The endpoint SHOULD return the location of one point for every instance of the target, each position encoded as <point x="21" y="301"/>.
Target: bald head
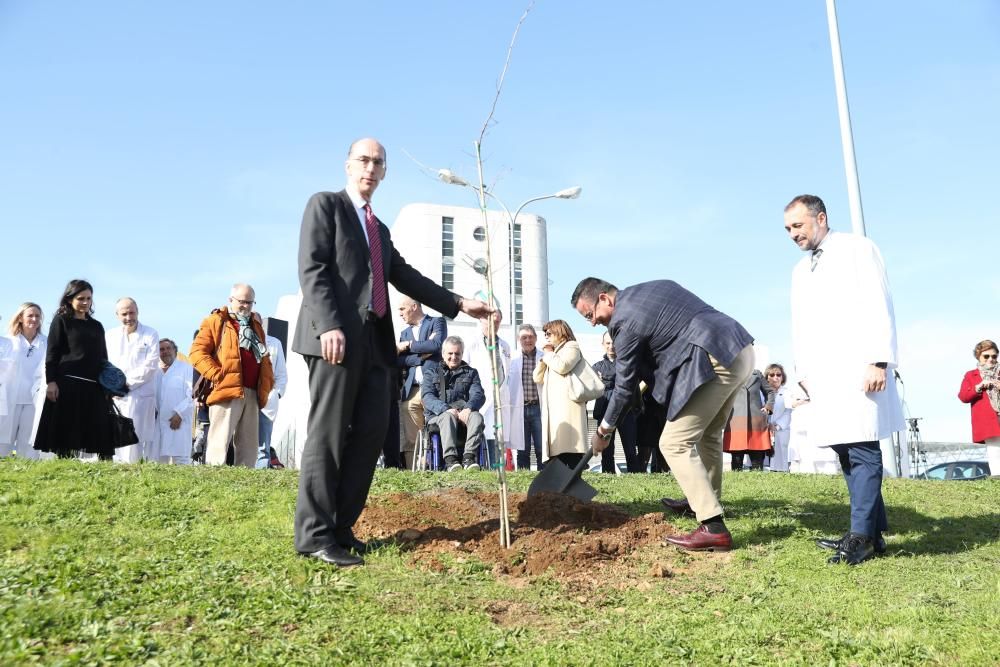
<point x="410" y="311"/>
<point x="365" y="167"/>
<point x="241" y="299"/>
<point x="127" y="312"/>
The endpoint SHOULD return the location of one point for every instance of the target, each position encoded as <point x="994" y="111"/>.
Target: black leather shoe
<point x="855" y="549"/>
<point x="335" y="555"/>
<point x="362" y="548"/>
<point x="678" y="507"/>
<point x="835" y="542"/>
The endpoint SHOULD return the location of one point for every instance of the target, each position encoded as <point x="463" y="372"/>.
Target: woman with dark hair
<point x="564" y="421"/>
<point x="981" y="390"/>
<point x="24" y="390"/>
<point x="76" y="414"/>
<point x="747" y="431"/>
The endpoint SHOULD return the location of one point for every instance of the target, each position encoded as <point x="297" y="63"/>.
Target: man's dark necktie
<point x="380" y="295"/>
<point x="815" y="258"/>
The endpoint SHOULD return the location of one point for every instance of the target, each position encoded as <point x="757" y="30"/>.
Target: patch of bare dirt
<point x="591" y="544"/>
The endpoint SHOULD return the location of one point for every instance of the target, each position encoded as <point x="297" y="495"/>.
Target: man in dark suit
<point x="419" y="346"/>
<point x="696" y="359"/>
<point x="346" y="258"/>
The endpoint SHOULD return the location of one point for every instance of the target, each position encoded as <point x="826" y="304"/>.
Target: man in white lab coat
<point x="477" y="355"/>
<point x="135" y="349"/>
<point x="174" y="407"/>
<point x="524" y="430"/>
<point x="266" y="456"/>
<point x="844" y="338"/>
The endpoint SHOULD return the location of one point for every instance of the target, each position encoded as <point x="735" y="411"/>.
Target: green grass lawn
<point x="148" y="564"/>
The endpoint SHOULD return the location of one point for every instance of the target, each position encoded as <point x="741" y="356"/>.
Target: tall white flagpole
<point x="846" y="134"/>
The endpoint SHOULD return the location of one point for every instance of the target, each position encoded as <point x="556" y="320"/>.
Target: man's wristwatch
<point x="604" y="436"/>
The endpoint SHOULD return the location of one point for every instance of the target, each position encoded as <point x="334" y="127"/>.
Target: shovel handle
<point x="580" y="467"/>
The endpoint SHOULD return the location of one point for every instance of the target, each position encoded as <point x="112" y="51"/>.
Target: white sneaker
<point x="454" y="466"/>
<point x="472" y="466"/>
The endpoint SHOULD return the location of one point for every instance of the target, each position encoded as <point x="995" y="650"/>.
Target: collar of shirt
<point x="359" y="208"/>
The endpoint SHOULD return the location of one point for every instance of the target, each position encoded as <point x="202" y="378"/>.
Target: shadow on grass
<point x="920" y="534"/>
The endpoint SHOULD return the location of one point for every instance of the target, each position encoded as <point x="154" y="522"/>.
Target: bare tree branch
<point x="503" y="73"/>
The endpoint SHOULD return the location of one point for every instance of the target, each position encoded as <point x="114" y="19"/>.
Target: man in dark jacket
<point x="605" y="368"/>
<point x="696" y="359"/>
<point x="452" y="396"/>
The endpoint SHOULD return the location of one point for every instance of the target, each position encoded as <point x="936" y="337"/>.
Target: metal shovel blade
<point x="557" y="477"/>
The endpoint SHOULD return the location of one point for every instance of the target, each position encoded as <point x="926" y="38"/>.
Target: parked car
<point x="958" y="470"/>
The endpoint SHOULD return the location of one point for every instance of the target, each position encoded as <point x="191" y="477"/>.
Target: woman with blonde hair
<point x="981" y="390"/>
<point x="564" y="421"/>
<point x="24" y="390"/>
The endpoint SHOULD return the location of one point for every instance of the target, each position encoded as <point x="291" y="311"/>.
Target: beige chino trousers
<point x="235" y="420"/>
<point x="692" y="442"/>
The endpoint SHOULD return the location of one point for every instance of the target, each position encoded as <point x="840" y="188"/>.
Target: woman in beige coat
<point x="564" y="422"/>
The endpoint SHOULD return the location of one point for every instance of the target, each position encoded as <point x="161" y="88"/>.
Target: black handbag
<point x="122" y="428"/>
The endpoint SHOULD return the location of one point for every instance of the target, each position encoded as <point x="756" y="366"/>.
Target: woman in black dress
<point x="76" y="414"/>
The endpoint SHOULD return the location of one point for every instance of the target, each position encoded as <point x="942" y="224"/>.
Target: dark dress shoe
<point x="702" y="540"/>
<point x="678" y="507"/>
<point x="362" y="548"/>
<point x="335" y="555"/>
<point x="835" y="542"/>
<point x="856" y="548"/>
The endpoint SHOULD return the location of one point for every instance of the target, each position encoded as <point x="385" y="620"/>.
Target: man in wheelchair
<point x="452" y="396"/>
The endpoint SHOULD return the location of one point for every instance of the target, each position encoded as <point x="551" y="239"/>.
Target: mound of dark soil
<point x="551" y="532"/>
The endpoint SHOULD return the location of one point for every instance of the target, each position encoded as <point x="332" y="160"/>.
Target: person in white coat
<point x="524" y="432"/>
<point x="780" y="420"/>
<point x="135" y="349"/>
<point x="564" y="421"/>
<point x="22" y="393"/>
<point x="477" y="355"/>
<point x="844" y="339"/>
<point x="266" y="456"/>
<point x="174" y="407"/>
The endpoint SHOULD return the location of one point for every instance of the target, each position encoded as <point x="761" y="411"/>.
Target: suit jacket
<point x="433" y="331"/>
<point x="336" y="278"/>
<point x="663" y="334"/>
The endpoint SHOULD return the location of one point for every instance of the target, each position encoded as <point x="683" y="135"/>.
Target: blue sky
<point x="166" y="150"/>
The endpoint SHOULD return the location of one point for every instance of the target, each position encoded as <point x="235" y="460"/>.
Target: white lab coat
<point x="139" y="359"/>
<point x="842" y="320"/>
<point x="280" y="377"/>
<point x="515" y="393"/>
<point x="781" y="421"/>
<point x="6" y="374"/>
<point x="22" y="393"/>
<point x="173" y="395"/>
<point x="477" y="356"/>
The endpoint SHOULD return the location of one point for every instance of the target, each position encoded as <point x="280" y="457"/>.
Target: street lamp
<point x="451" y="178"/>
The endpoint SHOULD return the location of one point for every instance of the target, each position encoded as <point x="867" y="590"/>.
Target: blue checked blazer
<point x="663" y="334"/>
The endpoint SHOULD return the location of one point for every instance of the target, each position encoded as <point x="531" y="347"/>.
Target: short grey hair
<point x="454" y="340"/>
<point x="527" y="327"/>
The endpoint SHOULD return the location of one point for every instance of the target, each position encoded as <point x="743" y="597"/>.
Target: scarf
<point x="990" y="373"/>
<point x="249" y="340"/>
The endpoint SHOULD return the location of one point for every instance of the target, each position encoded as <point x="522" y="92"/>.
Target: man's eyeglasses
<point x="376" y="162"/>
<point x="242" y="302"/>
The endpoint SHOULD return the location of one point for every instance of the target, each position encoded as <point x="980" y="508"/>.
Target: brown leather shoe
<point x="702" y="540"/>
<point x="678" y="507"/>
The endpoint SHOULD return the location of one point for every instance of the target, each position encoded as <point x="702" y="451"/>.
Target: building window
<point x="448" y="253"/>
<point x="515" y="276"/>
<point x="479" y="233"/>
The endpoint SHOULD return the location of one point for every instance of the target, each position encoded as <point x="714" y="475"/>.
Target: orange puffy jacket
<point x="215" y="353"/>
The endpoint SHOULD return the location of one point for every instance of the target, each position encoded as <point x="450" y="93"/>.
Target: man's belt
<point x="527" y="403"/>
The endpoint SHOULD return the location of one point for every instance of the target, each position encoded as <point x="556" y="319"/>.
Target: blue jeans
<point x="532" y="438"/>
<point x="862" y="466"/>
<point x="264" y="428"/>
